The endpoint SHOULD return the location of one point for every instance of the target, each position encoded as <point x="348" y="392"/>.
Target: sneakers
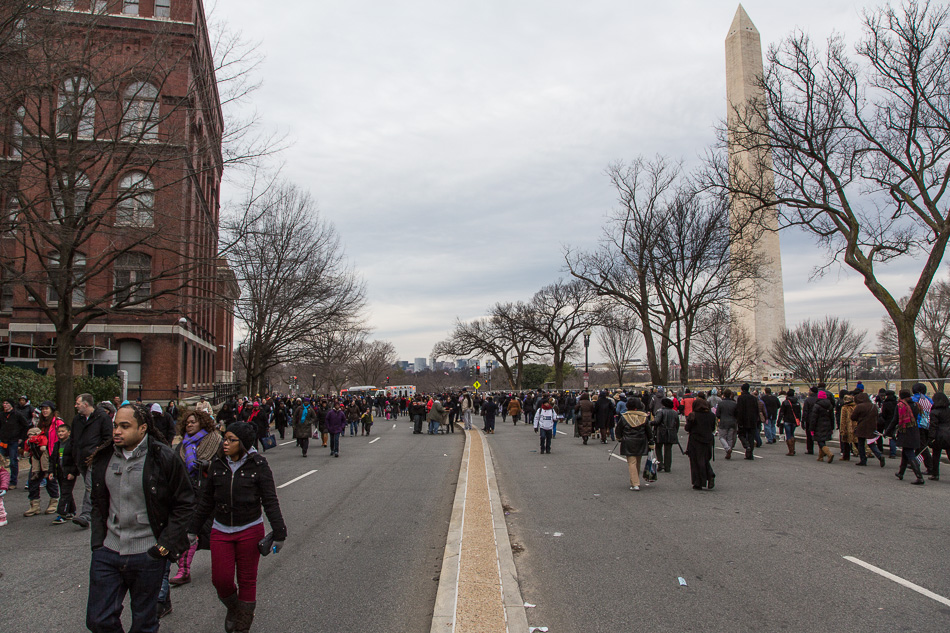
<point x="59" y="520"/>
<point x="636" y="488"/>
<point x="3" y="522"/>
<point x="81" y="521"/>
<point x="164" y="608"/>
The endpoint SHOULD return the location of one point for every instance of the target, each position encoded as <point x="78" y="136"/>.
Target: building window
<point x="136" y="201"/>
<point x="55" y="272"/>
<point x="141" y="111"/>
<point x="6" y="297"/>
<point x="73" y="199"/>
<point x="130" y="7"/>
<point x="12" y="213"/>
<point x="163" y="8"/>
<point x="133" y="274"/>
<point x="16" y="133"/>
<point x="100" y="7"/>
<point x="130" y="360"/>
<point x="76" y="112"/>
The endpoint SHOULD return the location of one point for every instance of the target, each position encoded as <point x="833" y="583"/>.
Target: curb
<point x="515" y="614"/>
<point x="443" y="614"/>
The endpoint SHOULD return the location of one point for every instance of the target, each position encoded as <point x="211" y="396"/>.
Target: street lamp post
<point x="314" y="390"/>
<point x="586" y="359"/>
<point x="489" y="366"/>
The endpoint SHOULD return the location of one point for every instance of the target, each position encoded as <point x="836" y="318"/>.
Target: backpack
<point x="923" y="415"/>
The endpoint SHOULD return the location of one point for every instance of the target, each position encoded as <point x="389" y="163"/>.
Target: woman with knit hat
<point x="200" y="444"/>
<point x="239" y="485"/>
<point x="47" y="424"/>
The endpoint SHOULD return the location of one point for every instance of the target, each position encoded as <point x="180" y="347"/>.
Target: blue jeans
<point x="335" y="443"/>
<point x="12" y="453"/>
<point x="546" y="435"/>
<point x="353" y="428"/>
<point x="433" y="427"/>
<point x="770" y="430"/>
<point x="166" y="587"/>
<point x="789" y="431"/>
<point x="111" y="576"/>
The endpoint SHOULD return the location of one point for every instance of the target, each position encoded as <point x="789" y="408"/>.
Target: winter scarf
<point x="190" y="448"/>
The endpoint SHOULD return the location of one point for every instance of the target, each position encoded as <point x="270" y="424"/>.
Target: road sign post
<point x="586" y="380"/>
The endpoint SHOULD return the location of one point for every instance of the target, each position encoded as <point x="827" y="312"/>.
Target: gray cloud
<point x="458" y="145"/>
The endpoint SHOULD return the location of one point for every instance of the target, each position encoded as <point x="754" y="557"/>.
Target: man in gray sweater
<point x="142" y="500"/>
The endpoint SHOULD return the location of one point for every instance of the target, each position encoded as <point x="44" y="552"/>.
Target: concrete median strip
<point x="478" y="587"/>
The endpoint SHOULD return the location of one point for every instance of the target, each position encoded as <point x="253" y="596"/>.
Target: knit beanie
<point x="244" y="432"/>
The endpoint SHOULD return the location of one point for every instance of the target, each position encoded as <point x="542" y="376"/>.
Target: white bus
<point x="362" y="390"/>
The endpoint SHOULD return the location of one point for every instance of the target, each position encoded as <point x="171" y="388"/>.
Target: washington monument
<point x="763" y="317"/>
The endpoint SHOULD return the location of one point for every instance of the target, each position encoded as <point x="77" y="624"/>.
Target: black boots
<point x="231" y="602"/>
<point x="244" y="616"/>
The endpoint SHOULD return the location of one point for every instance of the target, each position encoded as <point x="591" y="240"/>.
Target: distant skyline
<point x="458" y="147"/>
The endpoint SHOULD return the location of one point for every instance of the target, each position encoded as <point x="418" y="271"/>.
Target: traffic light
<point x="471" y="371"/>
<point x="478" y="369"/>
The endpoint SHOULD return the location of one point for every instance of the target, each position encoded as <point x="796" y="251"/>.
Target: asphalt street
<point x="762" y="552"/>
<point x="367" y="533"/>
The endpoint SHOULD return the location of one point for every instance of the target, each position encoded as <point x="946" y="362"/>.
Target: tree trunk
<point x="63" y="368"/>
<point x="907" y="348"/>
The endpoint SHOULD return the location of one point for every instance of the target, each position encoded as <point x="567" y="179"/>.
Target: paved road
<point x="367" y="533"/>
<point x="763" y="551"/>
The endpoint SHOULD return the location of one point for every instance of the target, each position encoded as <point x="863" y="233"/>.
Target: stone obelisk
<point x="762" y="315"/>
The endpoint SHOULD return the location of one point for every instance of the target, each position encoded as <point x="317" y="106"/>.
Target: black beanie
<point x="244" y="432"/>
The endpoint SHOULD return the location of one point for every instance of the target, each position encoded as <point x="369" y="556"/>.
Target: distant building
<point x="404" y="365"/>
<point x="421" y="364"/>
<point x="461" y="364"/>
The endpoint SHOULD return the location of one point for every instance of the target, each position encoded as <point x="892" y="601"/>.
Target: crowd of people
<point x="190" y="479"/>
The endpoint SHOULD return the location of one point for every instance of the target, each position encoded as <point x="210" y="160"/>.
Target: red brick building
<point x="112" y="162"/>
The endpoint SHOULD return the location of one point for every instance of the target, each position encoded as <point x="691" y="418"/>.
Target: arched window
<point x="76" y="113"/>
<point x="133" y="273"/>
<point x="136" y="201"/>
<point x="16" y="136"/>
<point x="72" y="199"/>
<point x="78" y="270"/>
<point x="141" y="111"/>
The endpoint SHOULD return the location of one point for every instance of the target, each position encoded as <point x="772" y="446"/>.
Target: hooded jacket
<point x="940" y="421"/>
<point x="634" y="433"/>
<point x="864" y="417"/>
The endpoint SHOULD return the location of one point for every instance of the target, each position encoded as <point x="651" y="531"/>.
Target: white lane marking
<point x="899" y="580"/>
<point x="376" y="440"/>
<point x="286" y="443"/>
<point x="307" y="474"/>
<point x="562" y="432"/>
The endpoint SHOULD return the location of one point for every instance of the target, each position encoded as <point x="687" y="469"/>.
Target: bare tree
<point x="558" y="314"/>
<point x="620" y="268"/>
<point x="296" y="286"/>
<point x="858" y="144"/>
<point x="330" y="351"/>
<point x="372" y="362"/>
<point x="932" y="331"/>
<point x="619" y="339"/>
<point x="814" y="349"/>
<point x="668" y="255"/>
<point x="725" y="346"/>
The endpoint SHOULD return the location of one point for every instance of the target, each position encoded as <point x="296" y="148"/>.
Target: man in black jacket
<point x="13" y="428"/>
<point x="772" y="405"/>
<point x="806" y="420"/>
<point x="92" y="427"/>
<point x="136" y="477"/>
<point x="747" y="418"/>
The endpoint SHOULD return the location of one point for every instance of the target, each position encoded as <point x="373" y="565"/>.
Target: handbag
<point x="650" y="467"/>
<point x="265" y="545"/>
<point x="268" y="441"/>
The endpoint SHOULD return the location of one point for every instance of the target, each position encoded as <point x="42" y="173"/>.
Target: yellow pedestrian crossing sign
<point x="477" y="385"/>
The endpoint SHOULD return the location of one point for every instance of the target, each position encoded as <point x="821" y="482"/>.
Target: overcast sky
<point x="459" y="146"/>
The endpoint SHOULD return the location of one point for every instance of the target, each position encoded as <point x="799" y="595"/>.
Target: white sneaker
<point x="2" y="523"/>
<point x="634" y="487"/>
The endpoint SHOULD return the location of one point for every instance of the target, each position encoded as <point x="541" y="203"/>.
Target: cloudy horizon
<point x="459" y="147"/>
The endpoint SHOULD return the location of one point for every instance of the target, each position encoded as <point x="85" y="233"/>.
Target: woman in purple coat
<point x="336" y="424"/>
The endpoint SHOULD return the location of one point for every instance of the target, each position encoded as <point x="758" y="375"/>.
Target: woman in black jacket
<point x="822" y="425"/>
<point x="700" y="426"/>
<point x="904" y="428"/>
<point x="239" y="484"/>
